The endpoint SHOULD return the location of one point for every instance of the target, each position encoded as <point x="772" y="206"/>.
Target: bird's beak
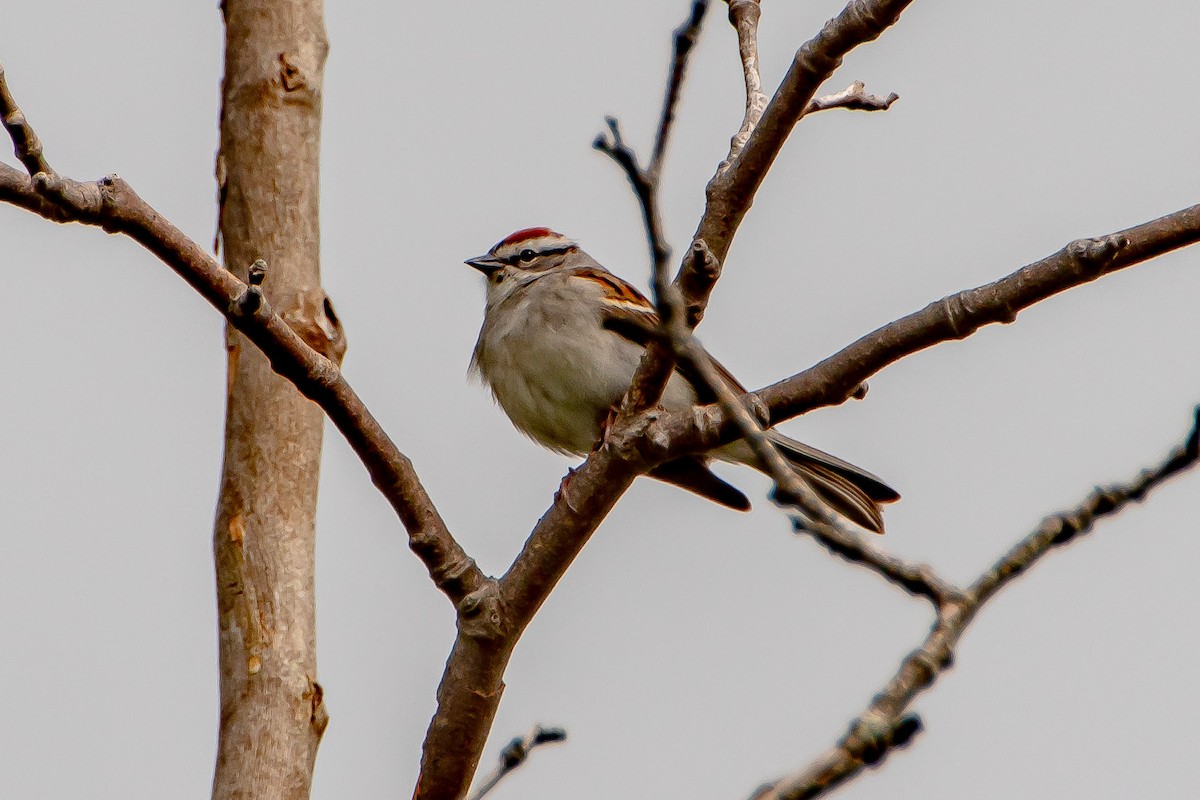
<point x="487" y="264"/>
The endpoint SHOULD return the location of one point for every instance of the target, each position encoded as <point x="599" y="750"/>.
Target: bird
<point x="561" y="339"/>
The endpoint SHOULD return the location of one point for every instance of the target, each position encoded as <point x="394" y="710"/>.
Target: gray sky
<point x="690" y="651"/>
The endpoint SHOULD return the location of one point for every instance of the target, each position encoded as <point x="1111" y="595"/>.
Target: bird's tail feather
<point x="841" y="495"/>
<point x="851" y="491"/>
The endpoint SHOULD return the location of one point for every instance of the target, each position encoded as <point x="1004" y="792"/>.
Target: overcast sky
<point x="690" y="651"/>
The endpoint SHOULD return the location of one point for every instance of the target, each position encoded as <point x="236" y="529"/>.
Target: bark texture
<point x="272" y="715"/>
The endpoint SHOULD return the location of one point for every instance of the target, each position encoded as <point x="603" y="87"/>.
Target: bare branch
<point x="853" y="98"/>
<point x="684" y="38"/>
<point x="517" y="753"/>
<point x="1064" y="528"/>
<point x="743" y="15"/>
<point x="657" y="363"/>
<point x="840" y="376"/>
<point x="884" y="724"/>
<point x="113" y="205"/>
<point x="792" y="489"/>
<point x="26" y="144"/>
<point x="960" y="315"/>
<point x="919" y="580"/>
<point x="645" y="188"/>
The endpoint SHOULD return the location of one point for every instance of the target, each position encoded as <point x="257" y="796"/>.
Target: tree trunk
<point x="272" y="715"/>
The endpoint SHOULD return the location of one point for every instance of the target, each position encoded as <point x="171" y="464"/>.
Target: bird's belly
<point x="558" y="389"/>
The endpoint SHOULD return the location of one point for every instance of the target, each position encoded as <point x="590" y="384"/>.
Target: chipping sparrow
<point x="561" y="339"/>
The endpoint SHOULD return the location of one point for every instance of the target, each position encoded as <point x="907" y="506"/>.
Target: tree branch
<point x="884" y="724"/>
<point x="113" y="205"/>
<point x="658" y="362"/>
<point x="958" y="316"/>
<point x="919" y="580"/>
<point x="840" y="376"/>
<point x="684" y="40"/>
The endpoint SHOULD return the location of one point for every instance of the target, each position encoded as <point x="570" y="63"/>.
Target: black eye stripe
<point x="515" y="259"/>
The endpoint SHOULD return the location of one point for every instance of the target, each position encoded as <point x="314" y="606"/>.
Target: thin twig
<point x="919" y="580"/>
<point x="657" y="362"/>
<point x="685" y="38"/>
<point x="645" y="188"/>
<point x="655" y="369"/>
<point x="853" y="98"/>
<point x="793" y="489"/>
<point x="678" y="316"/>
<point x="884" y="725"/>
<point x="517" y="753"/>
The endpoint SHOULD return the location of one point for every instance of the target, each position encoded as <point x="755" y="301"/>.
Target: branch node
<point x="908" y="727"/>
<point x="257" y="273"/>
<point x="250" y="302"/>
<point x="1094" y="255"/>
<point x="869" y="736"/>
<point x="699" y="274"/>
<point x="957" y="314"/>
<point x="479" y="613"/>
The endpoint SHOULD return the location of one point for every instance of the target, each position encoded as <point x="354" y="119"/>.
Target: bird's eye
<point x="527" y="255"/>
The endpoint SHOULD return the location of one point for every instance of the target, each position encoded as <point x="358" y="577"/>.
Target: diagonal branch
<point x="957" y="316"/>
<point x="884" y="724"/>
<point x="919" y="580"/>
<point x="659" y="359"/>
<point x="684" y="40"/>
<point x="113" y="205"/>
<point x="657" y="364"/>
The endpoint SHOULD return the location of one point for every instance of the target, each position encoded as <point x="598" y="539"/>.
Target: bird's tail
<point x="851" y="491"/>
